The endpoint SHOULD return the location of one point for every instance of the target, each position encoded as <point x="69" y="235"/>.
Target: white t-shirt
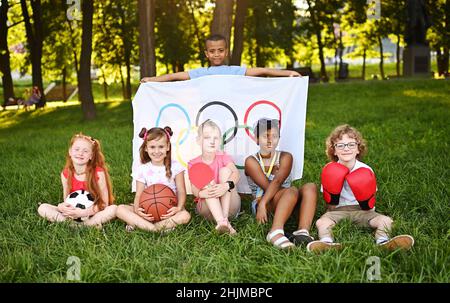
<point x="150" y="174"/>
<point x="347" y="197"/>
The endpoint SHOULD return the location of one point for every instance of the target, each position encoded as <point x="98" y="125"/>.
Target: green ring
<point x="227" y="132"/>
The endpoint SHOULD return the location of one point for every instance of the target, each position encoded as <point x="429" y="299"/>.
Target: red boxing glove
<point x="333" y="177"/>
<point x="364" y="186"/>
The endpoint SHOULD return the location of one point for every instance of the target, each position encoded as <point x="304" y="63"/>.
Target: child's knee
<point x="111" y="209"/>
<point x="309" y="189"/>
<point x="322" y="223"/>
<point x="291" y="193"/>
<point x="185" y="217"/>
<point x="382" y="221"/>
<point x="224" y="174"/>
<point x="43" y="209"/>
<point x="120" y="209"/>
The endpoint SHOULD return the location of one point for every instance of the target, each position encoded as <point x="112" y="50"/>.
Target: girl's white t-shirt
<point x="150" y="174"/>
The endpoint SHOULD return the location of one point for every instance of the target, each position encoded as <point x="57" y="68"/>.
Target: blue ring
<point x="184" y="112"/>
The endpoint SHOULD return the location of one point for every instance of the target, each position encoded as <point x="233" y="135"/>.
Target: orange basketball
<point x="157" y="199"/>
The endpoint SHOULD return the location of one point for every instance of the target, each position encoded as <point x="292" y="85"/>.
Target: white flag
<point x="235" y="103"/>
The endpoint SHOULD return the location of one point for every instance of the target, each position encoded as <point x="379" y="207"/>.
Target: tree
<point x="223" y="19"/>
<point x="238" y="36"/>
<point x="361" y="31"/>
<point x="322" y="16"/>
<point x="116" y="39"/>
<point x="439" y="33"/>
<point x="283" y="16"/>
<point x="364" y="37"/>
<point x="84" y="75"/>
<point x="395" y="20"/>
<point x="5" y="65"/>
<point x="269" y="31"/>
<point x="35" y="42"/>
<point x="147" y="57"/>
<point x="175" y="34"/>
<point x="58" y="50"/>
<point x="200" y="20"/>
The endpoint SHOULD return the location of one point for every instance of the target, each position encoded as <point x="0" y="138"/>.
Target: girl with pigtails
<point x="157" y="168"/>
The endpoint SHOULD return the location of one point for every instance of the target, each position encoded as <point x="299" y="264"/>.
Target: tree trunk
<point x="442" y="60"/>
<point x="340" y="54"/>
<point x="74" y="49"/>
<point x="84" y="76"/>
<point x="5" y="65"/>
<point x="336" y="54"/>
<point x="259" y="60"/>
<point x="34" y="39"/>
<point x="105" y="86"/>
<point x="64" y="84"/>
<point x="127" y="54"/>
<point x="381" y="57"/>
<point x="122" y="82"/>
<point x="398" y="56"/>
<point x="446" y="61"/>
<point x="222" y="20"/>
<point x="128" y="80"/>
<point x="290" y="63"/>
<point x="363" y="75"/>
<point x="323" y="70"/>
<point x="147" y="58"/>
<point x="200" y="43"/>
<point x="238" y="40"/>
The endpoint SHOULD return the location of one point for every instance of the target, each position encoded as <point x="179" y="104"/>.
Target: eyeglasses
<point x="341" y="146"/>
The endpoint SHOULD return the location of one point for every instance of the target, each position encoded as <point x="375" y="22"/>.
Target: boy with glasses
<point x="349" y="188"/>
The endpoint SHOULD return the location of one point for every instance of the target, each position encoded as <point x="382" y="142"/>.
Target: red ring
<point x="251" y="107"/>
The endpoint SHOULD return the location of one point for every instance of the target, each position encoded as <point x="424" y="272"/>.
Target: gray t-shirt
<point x="254" y="187"/>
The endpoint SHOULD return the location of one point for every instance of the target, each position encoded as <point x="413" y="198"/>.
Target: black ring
<point x="229" y="108"/>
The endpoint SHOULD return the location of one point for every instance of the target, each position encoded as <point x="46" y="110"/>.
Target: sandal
<point x="320" y="246"/>
<point x="282" y="242"/>
<point x="398" y="242"/>
<point x="299" y="237"/>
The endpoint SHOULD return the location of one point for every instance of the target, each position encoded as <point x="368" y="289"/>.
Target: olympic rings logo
<point x="182" y="110"/>
<point x="184" y="133"/>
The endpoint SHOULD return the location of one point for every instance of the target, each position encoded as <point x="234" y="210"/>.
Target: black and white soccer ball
<point x="81" y="199"/>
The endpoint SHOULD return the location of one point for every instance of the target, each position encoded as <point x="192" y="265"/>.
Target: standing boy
<point x="217" y="52"/>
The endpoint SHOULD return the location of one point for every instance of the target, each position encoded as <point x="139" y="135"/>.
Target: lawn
<point x="406" y="124"/>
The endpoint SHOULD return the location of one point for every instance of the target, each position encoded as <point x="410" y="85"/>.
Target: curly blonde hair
<point x="337" y="134"/>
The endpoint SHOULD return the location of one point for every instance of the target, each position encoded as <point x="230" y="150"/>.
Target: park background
<point x="96" y="51"/>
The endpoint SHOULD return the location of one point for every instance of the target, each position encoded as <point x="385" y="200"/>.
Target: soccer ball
<point x="81" y="199"/>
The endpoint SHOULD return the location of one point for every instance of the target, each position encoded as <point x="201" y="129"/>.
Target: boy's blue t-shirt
<point x="217" y="70"/>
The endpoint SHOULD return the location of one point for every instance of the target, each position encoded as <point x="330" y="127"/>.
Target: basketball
<point x="157" y="199"/>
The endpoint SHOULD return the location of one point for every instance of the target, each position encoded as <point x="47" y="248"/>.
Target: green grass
<point x="406" y="123"/>
<point x="355" y="70"/>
